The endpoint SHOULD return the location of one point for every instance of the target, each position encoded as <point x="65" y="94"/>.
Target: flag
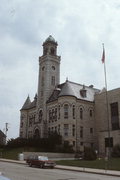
<point x="103" y="55"/>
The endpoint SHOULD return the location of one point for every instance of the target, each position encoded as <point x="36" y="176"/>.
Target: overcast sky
<point x="79" y="26"/>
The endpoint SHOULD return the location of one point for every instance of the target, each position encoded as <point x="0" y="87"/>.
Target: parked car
<point x="40" y="161"/>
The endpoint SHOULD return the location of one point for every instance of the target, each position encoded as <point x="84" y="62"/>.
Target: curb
<point x="70" y="168"/>
<point x="87" y="171"/>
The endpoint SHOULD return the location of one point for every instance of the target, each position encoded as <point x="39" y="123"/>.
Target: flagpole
<point x="107" y="104"/>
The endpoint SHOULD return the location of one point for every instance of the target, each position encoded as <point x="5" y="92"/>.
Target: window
<point x="83" y="93"/>
<point x="81" y="143"/>
<point x="66" y="111"/>
<point x="59" y="112"/>
<point x="114" y="116"/>
<point x="73" y="111"/>
<point x="50" y="115"/>
<point x="81" y="113"/>
<point x="53" y="67"/>
<point x="40" y="115"/>
<point x="74" y="143"/>
<point x="53" y="80"/>
<point x="30" y="121"/>
<point x="73" y="130"/>
<point x="59" y="129"/>
<point x="55" y="114"/>
<point x="109" y="142"/>
<point x="91" y="113"/>
<point x="91" y="130"/>
<point x="66" y="129"/>
<point x="81" y="132"/>
<point x="52" y="51"/>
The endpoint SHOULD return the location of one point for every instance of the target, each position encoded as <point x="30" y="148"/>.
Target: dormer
<point x="83" y="92"/>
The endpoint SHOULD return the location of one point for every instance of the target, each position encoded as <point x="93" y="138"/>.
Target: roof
<point x="51" y="40"/>
<point x="28" y="104"/>
<point x="2" y="134"/>
<point x="76" y="90"/>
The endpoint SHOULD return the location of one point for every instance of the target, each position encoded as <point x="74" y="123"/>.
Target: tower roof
<point x="50" y="39"/>
<point x="26" y="104"/>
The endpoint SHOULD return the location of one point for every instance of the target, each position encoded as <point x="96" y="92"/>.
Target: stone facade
<point x="75" y="111"/>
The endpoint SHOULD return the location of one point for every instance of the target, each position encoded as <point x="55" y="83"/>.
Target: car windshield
<point x="43" y="158"/>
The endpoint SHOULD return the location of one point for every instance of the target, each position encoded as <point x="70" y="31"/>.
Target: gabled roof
<point x="73" y="89"/>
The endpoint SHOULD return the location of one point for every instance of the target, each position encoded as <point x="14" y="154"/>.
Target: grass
<point x="113" y="164"/>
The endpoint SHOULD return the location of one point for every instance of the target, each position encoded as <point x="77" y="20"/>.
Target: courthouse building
<point x="77" y="112"/>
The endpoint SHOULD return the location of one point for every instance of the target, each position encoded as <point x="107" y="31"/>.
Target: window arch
<point x="52" y="51"/>
<point x="36" y="133"/>
<point x="73" y="111"/>
<point x="81" y="113"/>
<point x="40" y="115"/>
<point x="59" y="112"/>
<point x="66" y="111"/>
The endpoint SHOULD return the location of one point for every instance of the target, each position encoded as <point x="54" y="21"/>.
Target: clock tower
<point x="49" y="78"/>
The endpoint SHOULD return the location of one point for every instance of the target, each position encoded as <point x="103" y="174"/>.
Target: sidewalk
<point x="72" y="168"/>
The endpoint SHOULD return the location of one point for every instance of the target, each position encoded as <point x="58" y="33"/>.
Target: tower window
<point x="53" y="81"/>
<point x="52" y="51"/>
<point x="53" y="67"/>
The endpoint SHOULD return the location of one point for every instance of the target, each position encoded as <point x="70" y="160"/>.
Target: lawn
<point x="113" y="163"/>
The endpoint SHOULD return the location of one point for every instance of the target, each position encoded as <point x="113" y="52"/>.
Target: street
<point x="23" y="172"/>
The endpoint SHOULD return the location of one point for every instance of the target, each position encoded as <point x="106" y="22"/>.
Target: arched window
<point x="52" y="51"/>
<point x="37" y="134"/>
<point x="81" y="113"/>
<point x="73" y="111"/>
<point x="66" y="111"/>
<point x="55" y="114"/>
<point x="59" y="112"/>
<point x="40" y="115"/>
<point x="91" y="113"/>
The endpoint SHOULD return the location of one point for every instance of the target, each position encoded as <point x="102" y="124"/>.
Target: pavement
<point x="72" y="168"/>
